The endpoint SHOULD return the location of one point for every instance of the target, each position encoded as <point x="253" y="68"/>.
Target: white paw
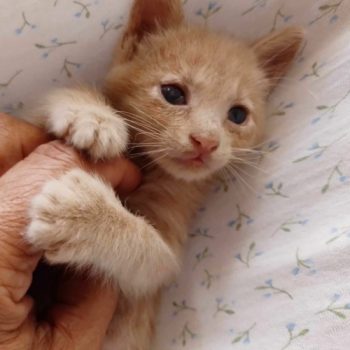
<point x="61" y="216"/>
<point x="92" y="127"/>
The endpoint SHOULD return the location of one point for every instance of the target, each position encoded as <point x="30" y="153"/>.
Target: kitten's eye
<point x="174" y="94"/>
<point x="238" y="114"/>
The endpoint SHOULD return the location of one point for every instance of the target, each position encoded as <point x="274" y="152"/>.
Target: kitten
<point x="191" y="101"/>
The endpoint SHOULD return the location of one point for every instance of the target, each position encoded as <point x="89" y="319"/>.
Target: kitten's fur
<point x="78" y="220"/>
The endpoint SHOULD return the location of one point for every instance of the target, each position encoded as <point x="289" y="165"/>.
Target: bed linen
<point x="267" y="265"/>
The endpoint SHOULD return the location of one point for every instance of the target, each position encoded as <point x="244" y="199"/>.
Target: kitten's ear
<point x="147" y="17"/>
<point x="277" y="51"/>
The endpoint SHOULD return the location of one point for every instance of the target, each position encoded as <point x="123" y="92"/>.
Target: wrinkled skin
<point x="83" y="309"/>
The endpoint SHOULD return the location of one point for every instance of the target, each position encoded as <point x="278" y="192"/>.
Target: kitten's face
<point x="200" y="98"/>
<point x="195" y="100"/>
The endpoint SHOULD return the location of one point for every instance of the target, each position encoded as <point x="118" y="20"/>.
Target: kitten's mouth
<point x="192" y="161"/>
<point x="191" y="166"/>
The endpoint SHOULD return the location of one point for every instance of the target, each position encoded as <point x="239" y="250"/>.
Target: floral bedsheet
<point x="268" y="262"/>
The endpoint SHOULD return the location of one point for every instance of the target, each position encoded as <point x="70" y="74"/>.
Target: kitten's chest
<point x="168" y="204"/>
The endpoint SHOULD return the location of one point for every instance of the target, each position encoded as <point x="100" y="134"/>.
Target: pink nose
<point x="204" y="144"/>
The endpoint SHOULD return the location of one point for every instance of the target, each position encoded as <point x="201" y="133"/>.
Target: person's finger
<point x="18" y="186"/>
<point x="25" y="180"/>
<point x="83" y="312"/>
<point x="49" y="161"/>
<point x="122" y="174"/>
<point x="17" y="140"/>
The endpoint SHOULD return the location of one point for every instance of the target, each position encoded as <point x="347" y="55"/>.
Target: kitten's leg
<point x="133" y="325"/>
<point x="84" y="119"/>
<point x="77" y="220"/>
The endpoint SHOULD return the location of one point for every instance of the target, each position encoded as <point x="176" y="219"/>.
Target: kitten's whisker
<point x="154" y="161"/>
<point x="249" y="150"/>
<point x="148" y="116"/>
<point x="144" y="144"/>
<point x="131" y="114"/>
<point x="138" y="122"/>
<point x="145" y="148"/>
<point x="240" y="178"/>
<point x="247" y="155"/>
<point x="240" y="168"/>
<point x="225" y="174"/>
<point x="148" y="128"/>
<point x="148" y="153"/>
<point x="150" y="135"/>
<point x="142" y="150"/>
<point x="250" y="157"/>
<point x="236" y="160"/>
<point x="246" y="172"/>
<point x="157" y="121"/>
<point x="149" y="131"/>
<point x="142" y="128"/>
<point x="138" y="128"/>
<point x="234" y="173"/>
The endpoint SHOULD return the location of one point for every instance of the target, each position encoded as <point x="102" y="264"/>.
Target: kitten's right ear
<point x="148" y="17"/>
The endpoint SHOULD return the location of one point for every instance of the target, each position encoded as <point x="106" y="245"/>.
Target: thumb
<point x="121" y="173"/>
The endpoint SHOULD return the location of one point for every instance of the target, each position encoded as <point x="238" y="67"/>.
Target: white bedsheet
<point x="267" y="265"/>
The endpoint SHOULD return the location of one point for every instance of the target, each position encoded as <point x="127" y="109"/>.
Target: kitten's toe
<point x="55" y="214"/>
<point x="101" y="138"/>
<point x="99" y="131"/>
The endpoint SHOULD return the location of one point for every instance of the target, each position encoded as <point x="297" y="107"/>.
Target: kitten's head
<point x="195" y="100"/>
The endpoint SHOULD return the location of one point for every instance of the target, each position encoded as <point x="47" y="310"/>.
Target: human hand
<point x="84" y="309"/>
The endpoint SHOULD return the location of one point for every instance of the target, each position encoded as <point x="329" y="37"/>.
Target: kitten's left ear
<point x="277" y="51"/>
<point x="149" y="17"/>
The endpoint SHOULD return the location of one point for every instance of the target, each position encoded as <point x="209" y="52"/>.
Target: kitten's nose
<point x="204" y="144"/>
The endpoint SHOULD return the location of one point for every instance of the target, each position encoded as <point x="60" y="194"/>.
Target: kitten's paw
<point x="60" y="216"/>
<point x="96" y="129"/>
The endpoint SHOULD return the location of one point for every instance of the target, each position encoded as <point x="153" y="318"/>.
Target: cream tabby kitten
<point x="189" y="99"/>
